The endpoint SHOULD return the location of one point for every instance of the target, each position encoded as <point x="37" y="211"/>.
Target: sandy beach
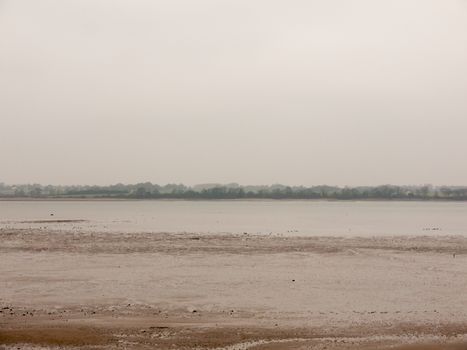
<point x="73" y="289"/>
<point x="233" y="175"/>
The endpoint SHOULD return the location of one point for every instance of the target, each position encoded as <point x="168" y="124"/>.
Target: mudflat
<point x="71" y="289"/>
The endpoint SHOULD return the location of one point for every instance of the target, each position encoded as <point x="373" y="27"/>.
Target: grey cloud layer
<point x="297" y="92"/>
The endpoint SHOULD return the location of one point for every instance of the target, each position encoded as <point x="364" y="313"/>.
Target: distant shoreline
<point x="232" y="191"/>
<point x="117" y="199"/>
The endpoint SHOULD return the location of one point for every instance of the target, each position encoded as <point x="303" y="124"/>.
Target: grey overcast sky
<point x="360" y="92"/>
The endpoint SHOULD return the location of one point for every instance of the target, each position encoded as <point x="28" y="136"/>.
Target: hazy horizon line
<point x="221" y="184"/>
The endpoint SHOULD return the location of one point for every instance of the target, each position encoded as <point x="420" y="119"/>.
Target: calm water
<point x="264" y="217"/>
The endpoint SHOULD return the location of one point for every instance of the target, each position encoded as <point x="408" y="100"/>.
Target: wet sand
<point x="184" y="291"/>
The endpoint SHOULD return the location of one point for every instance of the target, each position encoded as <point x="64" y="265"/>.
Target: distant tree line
<point x="148" y="190"/>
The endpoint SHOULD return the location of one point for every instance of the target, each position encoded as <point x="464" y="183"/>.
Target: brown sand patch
<point x="443" y="346"/>
<point x="169" y="291"/>
<point x="168" y="243"/>
<point x="57" y="336"/>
